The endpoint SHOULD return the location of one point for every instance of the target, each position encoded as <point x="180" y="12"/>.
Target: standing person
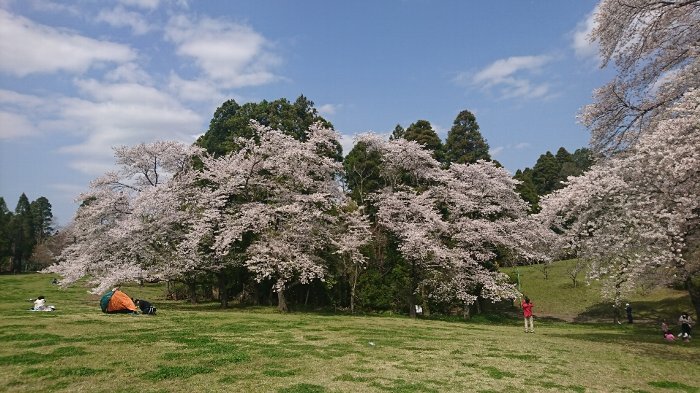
<point x="527" y="313"/>
<point x="686" y="323"/>
<point x="628" y="310"/>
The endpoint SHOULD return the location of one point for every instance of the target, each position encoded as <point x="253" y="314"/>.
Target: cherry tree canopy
<point x="636" y="217"/>
<point x="451" y="223"/>
<point x="124" y="225"/>
<point x="655" y="46"/>
<point x="268" y="204"/>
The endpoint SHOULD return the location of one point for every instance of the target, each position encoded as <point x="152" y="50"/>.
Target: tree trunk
<point x="412" y="294"/>
<point x="467" y="313"/>
<point x="693" y="285"/>
<point x="352" y="297"/>
<point x="424" y="302"/>
<point x="223" y="288"/>
<point x="192" y="291"/>
<point x="281" y="301"/>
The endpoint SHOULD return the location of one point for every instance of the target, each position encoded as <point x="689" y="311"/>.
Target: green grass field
<point x="200" y="348"/>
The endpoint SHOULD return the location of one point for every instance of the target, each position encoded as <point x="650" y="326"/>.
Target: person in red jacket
<point x="527" y="313"/>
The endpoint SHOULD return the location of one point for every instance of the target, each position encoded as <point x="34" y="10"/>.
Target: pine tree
<point x="465" y="144"/>
<point x="422" y="132"/>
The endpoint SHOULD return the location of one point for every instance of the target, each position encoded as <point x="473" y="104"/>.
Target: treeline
<point x="388" y="279"/>
<point x="550" y="172"/>
<point x="26" y="235"/>
<point x="385" y="283"/>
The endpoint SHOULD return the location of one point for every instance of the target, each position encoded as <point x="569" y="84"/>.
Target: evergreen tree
<point x="527" y="189"/>
<point x="545" y="174"/>
<point x="5" y="234"/>
<point x="465" y="144"/>
<point x="583" y="159"/>
<point x="550" y="172"/>
<point x="423" y="133"/>
<point x="231" y="121"/>
<point x="42" y="219"/>
<point x="399" y="132"/>
<point x="362" y="172"/>
<point x="22" y="227"/>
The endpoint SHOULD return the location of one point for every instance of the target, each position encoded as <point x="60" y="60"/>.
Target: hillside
<point x="556" y="297"/>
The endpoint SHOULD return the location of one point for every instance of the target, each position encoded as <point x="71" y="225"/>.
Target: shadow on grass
<point x="637" y="340"/>
<point x="645" y="312"/>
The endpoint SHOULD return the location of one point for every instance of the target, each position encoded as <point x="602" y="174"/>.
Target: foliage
<point x="465" y="144"/>
<point x="22" y="232"/>
<point x="231" y="121"/>
<point x="448" y="223"/>
<point x="550" y="173"/>
<point x="124" y="226"/>
<point x="422" y="132"/>
<point x="654" y="47"/>
<point x="636" y="215"/>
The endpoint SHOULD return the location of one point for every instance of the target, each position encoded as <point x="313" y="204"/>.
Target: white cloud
<point x="69" y="189"/>
<point x="129" y="72"/>
<point x="121" y="114"/>
<point x="582" y="46"/>
<point x="328" y="109"/>
<point x="504" y="68"/>
<point x="347" y="141"/>
<point x="27" y="47"/>
<point x="54" y="7"/>
<point x="499" y="150"/>
<point x="13" y="125"/>
<point x="145" y="4"/>
<point x="230" y="54"/>
<point x="120" y="17"/>
<point x="14" y="107"/>
<point x="195" y="90"/>
<point x="511" y="77"/>
<point x="18" y="100"/>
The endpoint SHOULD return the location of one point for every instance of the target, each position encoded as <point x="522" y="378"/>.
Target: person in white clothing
<point x="40" y="305"/>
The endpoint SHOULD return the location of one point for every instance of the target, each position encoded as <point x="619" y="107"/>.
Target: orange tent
<point x="117" y="302"/>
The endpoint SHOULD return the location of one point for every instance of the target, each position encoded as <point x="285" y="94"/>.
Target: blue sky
<point x="78" y="77"/>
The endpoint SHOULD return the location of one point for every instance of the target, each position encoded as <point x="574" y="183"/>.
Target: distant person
<point x="40" y="305"/>
<point x="527" y="305"/>
<point x="686" y="324"/>
<point x="628" y="310"/>
<point x="145" y="306"/>
<point x="664" y="328"/>
<point x="667" y="333"/>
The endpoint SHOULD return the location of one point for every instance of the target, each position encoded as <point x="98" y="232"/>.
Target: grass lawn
<point x="203" y="349"/>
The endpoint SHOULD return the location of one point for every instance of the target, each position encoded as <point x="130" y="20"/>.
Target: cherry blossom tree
<point x="268" y="207"/>
<point x="450" y="223"/>
<point x="654" y="45"/>
<point x="125" y="224"/>
<point x="353" y="233"/>
<point x="636" y="216"/>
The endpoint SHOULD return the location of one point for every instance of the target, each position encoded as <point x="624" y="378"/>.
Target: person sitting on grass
<point x="145" y="306"/>
<point x="40" y="305"/>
